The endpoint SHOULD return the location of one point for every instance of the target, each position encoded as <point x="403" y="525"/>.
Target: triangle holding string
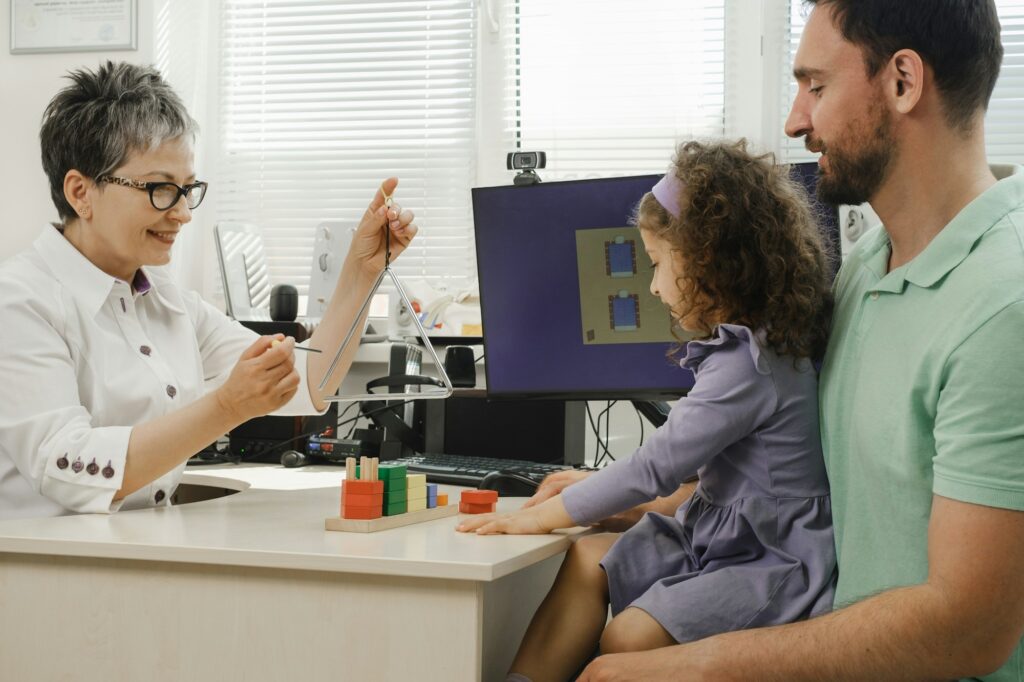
<point x="429" y="388"/>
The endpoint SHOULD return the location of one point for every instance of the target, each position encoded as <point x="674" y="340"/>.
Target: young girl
<point x="739" y="261"/>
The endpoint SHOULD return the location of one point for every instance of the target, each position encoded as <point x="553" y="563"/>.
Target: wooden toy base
<point x="386" y="522"/>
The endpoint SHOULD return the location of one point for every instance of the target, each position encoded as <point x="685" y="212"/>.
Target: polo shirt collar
<point x="957" y="239"/>
<point x="86" y="282"/>
<point x="875" y="259"/>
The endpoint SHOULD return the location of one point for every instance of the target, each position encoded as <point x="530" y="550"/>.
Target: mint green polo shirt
<point x="922" y="392"/>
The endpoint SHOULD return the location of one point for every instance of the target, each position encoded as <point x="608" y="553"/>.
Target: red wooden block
<point x="353" y="500"/>
<point x="362" y="487"/>
<point x="470" y="508"/>
<point x="361" y="512"/>
<point x="479" y="496"/>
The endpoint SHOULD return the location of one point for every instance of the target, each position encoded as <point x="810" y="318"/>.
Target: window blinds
<point x="609" y="88"/>
<point x="319" y="101"/>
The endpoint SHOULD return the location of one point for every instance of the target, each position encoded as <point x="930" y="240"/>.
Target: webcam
<point x="526" y="163"/>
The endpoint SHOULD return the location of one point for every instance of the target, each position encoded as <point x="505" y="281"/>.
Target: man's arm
<point x="964" y="621"/>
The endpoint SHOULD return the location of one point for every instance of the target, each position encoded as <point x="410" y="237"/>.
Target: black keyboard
<point x="469" y="471"/>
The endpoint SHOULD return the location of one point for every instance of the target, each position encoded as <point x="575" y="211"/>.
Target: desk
<point x="251" y="587"/>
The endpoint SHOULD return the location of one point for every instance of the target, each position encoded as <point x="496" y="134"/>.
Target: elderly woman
<point x="112" y="375"/>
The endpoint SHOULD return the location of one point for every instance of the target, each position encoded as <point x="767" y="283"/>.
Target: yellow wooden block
<point x="417" y="504"/>
<point x="416" y="480"/>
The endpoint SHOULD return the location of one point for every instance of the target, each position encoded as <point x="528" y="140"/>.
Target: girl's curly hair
<point x="751" y="250"/>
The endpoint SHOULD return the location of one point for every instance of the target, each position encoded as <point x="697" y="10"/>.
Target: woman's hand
<point x="263" y="379"/>
<point x="368" y="244"/>
<point x="554" y="484"/>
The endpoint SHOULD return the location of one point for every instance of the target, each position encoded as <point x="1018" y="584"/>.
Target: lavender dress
<point x="753" y="546"/>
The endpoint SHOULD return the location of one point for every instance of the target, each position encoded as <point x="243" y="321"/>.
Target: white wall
<point x="27" y="83"/>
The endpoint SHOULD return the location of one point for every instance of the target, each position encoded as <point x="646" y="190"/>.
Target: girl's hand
<point x="554" y="484"/>
<point x="368" y="243"/>
<point x="263" y="379"/>
<point x="523" y="522"/>
<point x="541" y="519"/>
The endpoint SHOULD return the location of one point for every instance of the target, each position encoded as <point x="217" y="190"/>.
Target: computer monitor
<point x="565" y="291"/>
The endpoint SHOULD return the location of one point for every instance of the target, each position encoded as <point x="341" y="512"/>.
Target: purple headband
<point x="667" y="192"/>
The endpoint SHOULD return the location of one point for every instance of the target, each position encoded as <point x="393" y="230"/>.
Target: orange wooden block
<point x="362" y="487"/>
<point x="361" y="512"/>
<point x="353" y="500"/>
<point x="442" y="499"/>
<point x="479" y="496"/>
<point x="470" y="508"/>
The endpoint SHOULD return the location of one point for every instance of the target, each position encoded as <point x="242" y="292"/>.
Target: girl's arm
<point x="549" y="515"/>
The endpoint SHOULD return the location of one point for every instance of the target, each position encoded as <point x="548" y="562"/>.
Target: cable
<point x="600" y="444"/>
<point x="479" y="358"/>
<point x="640" y="418"/>
<point x="607" y="412"/>
<point x="379" y="409"/>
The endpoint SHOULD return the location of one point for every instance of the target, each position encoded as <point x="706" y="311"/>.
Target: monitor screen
<point x="565" y="291"/>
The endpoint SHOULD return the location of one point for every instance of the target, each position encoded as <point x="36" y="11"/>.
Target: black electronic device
<point x="471" y="423"/>
<point x="510" y="483"/>
<point x="527" y="164"/>
<point x="460" y="364"/>
<point x="284" y="303"/>
<point x="293" y="458"/>
<point x="338" y="449"/>
<point x="471" y="471"/>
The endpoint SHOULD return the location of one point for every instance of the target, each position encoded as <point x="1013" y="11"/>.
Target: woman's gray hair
<point x="97" y="122"/>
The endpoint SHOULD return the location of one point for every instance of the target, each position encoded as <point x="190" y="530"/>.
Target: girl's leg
<point x="565" y="630"/>
<point x="634" y="630"/>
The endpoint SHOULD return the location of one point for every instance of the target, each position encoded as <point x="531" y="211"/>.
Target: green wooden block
<point x="393" y="475"/>
<point x="395" y="496"/>
<point x="395" y="508"/>
<point x="391" y="471"/>
<point x="393" y="484"/>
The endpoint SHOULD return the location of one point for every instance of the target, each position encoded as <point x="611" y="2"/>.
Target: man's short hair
<point x="959" y="39"/>
<point x="95" y="123"/>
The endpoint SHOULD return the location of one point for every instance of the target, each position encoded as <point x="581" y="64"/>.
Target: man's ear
<point x="76" y="192"/>
<point x="904" y="80"/>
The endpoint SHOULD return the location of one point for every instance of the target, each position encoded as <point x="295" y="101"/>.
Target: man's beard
<point x="858" y="162"/>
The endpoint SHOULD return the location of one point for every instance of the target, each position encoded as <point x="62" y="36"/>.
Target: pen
<point x="308" y="350"/>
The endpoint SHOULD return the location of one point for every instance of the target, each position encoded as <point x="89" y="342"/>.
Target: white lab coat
<point x="82" y="360"/>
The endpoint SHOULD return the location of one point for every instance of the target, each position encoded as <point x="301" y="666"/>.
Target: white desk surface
<point x="277" y="521"/>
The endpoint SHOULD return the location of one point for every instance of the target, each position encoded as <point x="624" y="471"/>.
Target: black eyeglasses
<point x="163" y="195"/>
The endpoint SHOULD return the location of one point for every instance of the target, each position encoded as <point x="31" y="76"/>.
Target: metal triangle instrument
<point x="444" y="390"/>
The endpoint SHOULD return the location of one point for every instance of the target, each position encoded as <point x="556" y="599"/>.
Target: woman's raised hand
<point x="263" y="379"/>
<point x="368" y="244"/>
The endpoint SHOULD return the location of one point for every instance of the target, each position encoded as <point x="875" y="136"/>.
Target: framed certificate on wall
<point x="73" y="25"/>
